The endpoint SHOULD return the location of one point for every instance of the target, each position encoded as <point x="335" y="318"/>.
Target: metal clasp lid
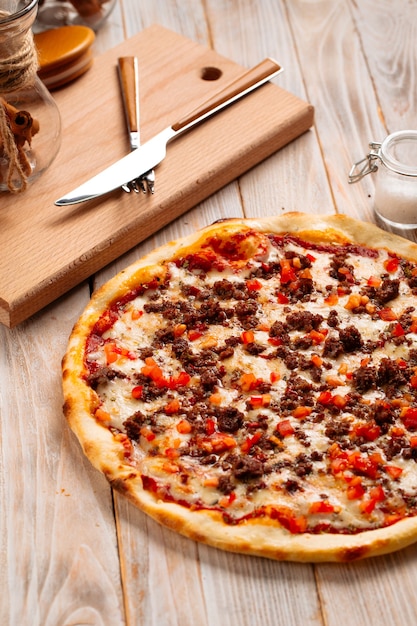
<point x="367" y="165"/>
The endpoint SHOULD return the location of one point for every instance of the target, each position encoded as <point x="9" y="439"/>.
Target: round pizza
<point x="253" y="386"/>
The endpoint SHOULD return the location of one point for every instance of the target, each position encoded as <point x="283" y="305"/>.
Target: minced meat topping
<point x="280" y="385"/>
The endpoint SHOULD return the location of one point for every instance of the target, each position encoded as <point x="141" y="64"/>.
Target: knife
<point x="129" y="85"/>
<point x="151" y="153"/>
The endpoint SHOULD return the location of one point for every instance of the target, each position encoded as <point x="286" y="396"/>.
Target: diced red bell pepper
<point x="300" y="412"/>
<point x="154" y="372"/>
<point x="179" y="381"/>
<point x="253" y="284"/>
<point x="325" y="397"/>
<point x="376" y="495"/>
<point x="260" y="401"/>
<point x="397" y="431"/>
<point x="275" y="341"/>
<point x="113" y="351"/>
<point x="318" y="336"/>
<point x="184" y="427"/>
<point x="391" y="264"/>
<point x="332" y="299"/>
<point x="321" y="506"/>
<point x="316" y="360"/>
<point x="387" y="315"/>
<point x="110" y="352"/>
<point x="355" y="491"/>
<point x="369" y="431"/>
<point x="282" y="298"/>
<point x="221" y="442"/>
<point x="228" y="500"/>
<point x="398" y="330"/>
<point x="409" y="418"/>
<point x="374" y="281"/>
<point x="250" y="442"/>
<point x="247" y="336"/>
<point x="288" y="519"/>
<point x="249" y="382"/>
<point x="365" y="465"/>
<point x="339" y="400"/>
<point x="172" y="453"/>
<point x="137" y="392"/>
<point x="147" y="433"/>
<point x="285" y="428"/>
<point x="179" y="330"/>
<point x="393" y="470"/>
<point x="367" y="506"/>
<point x="172" y="407"/>
<point x="288" y="273"/>
<point x="338" y="465"/>
<point x="136" y="314"/>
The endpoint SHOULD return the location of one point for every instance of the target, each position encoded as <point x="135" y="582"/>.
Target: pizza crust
<point x="106" y="453"/>
<point x="267" y="540"/>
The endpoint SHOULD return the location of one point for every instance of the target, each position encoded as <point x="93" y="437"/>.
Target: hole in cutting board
<point x="211" y="73"/>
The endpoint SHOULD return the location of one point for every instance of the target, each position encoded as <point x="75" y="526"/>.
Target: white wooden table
<point x="71" y="551"/>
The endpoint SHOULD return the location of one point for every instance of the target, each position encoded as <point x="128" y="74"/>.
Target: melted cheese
<point x="178" y="459"/>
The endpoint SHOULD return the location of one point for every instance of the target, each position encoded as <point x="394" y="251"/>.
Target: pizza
<point x="253" y="386"/>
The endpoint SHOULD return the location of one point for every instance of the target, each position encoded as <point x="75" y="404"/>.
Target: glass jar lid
<point x="398" y="152"/>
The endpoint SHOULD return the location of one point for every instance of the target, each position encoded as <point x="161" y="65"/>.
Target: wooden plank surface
<point x="83" y="238"/>
<point x="71" y="553"/>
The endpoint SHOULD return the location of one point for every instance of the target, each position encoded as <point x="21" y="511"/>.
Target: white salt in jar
<point x="394" y="162"/>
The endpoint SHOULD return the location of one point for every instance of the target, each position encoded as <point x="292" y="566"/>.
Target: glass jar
<point x="395" y="163"/>
<point x="54" y="13"/>
<point x="30" y="123"/>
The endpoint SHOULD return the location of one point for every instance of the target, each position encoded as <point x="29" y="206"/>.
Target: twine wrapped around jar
<point x="17" y="71"/>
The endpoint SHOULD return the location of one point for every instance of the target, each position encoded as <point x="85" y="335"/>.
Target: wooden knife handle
<point x="129" y="82"/>
<point x="250" y="80"/>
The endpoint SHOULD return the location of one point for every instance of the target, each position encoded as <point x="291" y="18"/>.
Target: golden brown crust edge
<point x="107" y="454"/>
<point x="267" y="540"/>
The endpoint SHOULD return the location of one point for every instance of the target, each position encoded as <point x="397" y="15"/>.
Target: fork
<point x="129" y="84"/>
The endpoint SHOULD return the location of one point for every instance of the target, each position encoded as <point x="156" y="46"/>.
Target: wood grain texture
<point x="58" y="557"/>
<point x="388" y="40"/>
<point x="294" y="179"/>
<point x="67" y="557"/>
<point x="336" y="71"/>
<point x="83" y="238"/>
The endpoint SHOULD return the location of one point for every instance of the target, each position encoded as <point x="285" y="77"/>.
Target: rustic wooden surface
<point x="82" y="239"/>
<point x="73" y="553"/>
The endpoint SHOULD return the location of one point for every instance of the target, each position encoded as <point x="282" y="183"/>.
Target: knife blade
<point x="129" y="85"/>
<point x="151" y="153"/>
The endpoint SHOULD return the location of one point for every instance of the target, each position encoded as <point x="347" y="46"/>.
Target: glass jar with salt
<point x="30" y="124"/>
<point x="394" y="162"/>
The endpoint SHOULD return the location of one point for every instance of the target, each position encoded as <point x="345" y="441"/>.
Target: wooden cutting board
<point x="46" y="250"/>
